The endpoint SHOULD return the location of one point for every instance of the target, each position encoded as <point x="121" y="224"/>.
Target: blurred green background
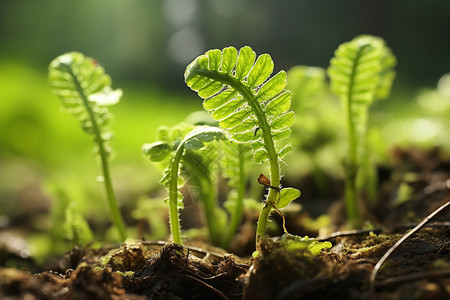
<point x="45" y="159"/>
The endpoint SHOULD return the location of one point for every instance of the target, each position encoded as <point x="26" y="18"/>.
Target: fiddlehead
<point x="177" y="150"/>
<point x="251" y="107"/>
<point x="360" y="72"/>
<point x="85" y="91"/>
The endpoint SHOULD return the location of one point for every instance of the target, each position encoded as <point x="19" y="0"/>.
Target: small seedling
<point x="85" y="91"/>
<point x="201" y="166"/>
<point x="252" y="108"/>
<point x="194" y="139"/>
<point x="360" y="72"/>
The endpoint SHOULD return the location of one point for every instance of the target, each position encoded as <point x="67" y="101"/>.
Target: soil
<point x="418" y="269"/>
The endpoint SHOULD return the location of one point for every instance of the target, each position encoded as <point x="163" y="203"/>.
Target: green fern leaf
<point x="362" y="70"/>
<point x="252" y="107"/>
<point x="181" y="145"/>
<point x="76" y="227"/>
<point x="85" y="91"/>
<point x="237" y="90"/>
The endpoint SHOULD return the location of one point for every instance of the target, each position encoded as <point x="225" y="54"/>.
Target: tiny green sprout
<point x="361" y="71"/>
<point x="85" y="91"/>
<point x="251" y="107"/>
<point x="76" y="227"/>
<point x="176" y="146"/>
<point x="296" y="243"/>
<point x="234" y="168"/>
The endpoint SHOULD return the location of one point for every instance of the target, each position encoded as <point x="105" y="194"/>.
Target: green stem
<point x="173" y="185"/>
<point x="112" y="201"/>
<point x="351" y="169"/>
<point x="209" y="203"/>
<point x="236" y="215"/>
<point x="208" y="198"/>
<point x="352" y="162"/>
<point x="350" y="200"/>
<point x="173" y="195"/>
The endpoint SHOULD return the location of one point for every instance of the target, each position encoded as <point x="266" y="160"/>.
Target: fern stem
<point x="209" y="200"/>
<point x="267" y="136"/>
<point x="112" y="201"/>
<point x="236" y="215"/>
<point x="173" y="196"/>
<point x="352" y="164"/>
<point x="173" y="185"/>
<point x="212" y="221"/>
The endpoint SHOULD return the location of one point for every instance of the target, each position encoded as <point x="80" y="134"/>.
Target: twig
<point x="376" y="230"/>
<point x="208" y="286"/>
<point x="346" y="233"/>
<point x="397" y="244"/>
<point x="413" y="277"/>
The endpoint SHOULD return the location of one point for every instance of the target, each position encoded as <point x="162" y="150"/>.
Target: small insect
<point x="256" y="131"/>
<point x="262" y="179"/>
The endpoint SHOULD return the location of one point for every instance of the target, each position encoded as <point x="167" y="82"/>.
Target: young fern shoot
<point x="85" y="91"/>
<point x="360" y="72"/>
<point x="158" y="151"/>
<point x="252" y="108"/>
<point x="234" y="167"/>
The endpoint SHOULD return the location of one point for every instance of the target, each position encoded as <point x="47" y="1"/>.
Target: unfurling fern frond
<point x="179" y="145"/>
<point x="236" y="89"/>
<point x="85" y="91"/>
<point x="252" y="107"/>
<point x="360" y="72"/>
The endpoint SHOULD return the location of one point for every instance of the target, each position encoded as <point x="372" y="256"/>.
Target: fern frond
<point x="85" y="91"/>
<point x="362" y="70"/>
<point x="234" y="168"/>
<point x="175" y="145"/>
<point x="252" y="107"/>
<point x="240" y="95"/>
<point x="76" y="227"/>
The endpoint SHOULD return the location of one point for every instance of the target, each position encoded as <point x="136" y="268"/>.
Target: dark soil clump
<point x="176" y="274"/>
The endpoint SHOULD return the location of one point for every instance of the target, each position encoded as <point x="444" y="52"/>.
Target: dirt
<point x="418" y="269"/>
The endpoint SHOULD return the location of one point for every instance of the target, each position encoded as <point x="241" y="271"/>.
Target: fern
<point x="251" y="107"/>
<point x="176" y="149"/>
<point x="202" y="167"/>
<point x="85" y="91"/>
<point x="76" y="227"/>
<point x="234" y="166"/>
<point x="360" y="72"/>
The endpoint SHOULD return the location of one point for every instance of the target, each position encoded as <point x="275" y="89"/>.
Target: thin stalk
<point x="209" y="195"/>
<point x="209" y="204"/>
<point x="350" y="199"/>
<point x="112" y="201"/>
<point x="351" y="168"/>
<point x="173" y="185"/>
<point x="236" y="215"/>
<point x="352" y="163"/>
<point x="173" y="195"/>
